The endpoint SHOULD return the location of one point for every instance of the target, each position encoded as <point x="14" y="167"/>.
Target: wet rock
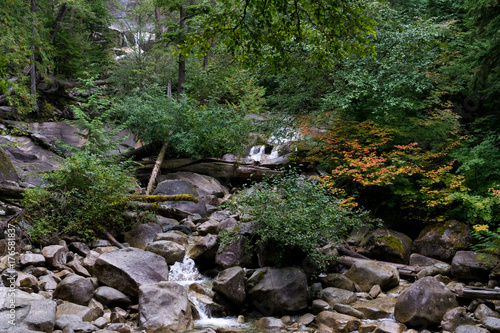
<point x="337" y="280"/>
<point x="127" y="269"/>
<point x="470" y="329"/>
<point x="348" y="310"/>
<point x="171" y="251"/>
<point x="378" y="308"/>
<point x="75" y="289"/>
<point x="31" y="311"/>
<point x="164" y="307"/>
<point x="474" y="266"/>
<point x="55" y="255"/>
<point x="306" y="319"/>
<point x="387" y="245"/>
<point x="337" y="322"/>
<point x="278" y="291"/>
<point x="441" y="241"/>
<point x="84" y="312"/>
<point x="338" y="296"/>
<point x="318" y="305"/>
<point x="235" y="254"/>
<point x="426" y="301"/>
<point x="482" y="311"/>
<point x="111" y="297"/>
<point x="387" y="326"/>
<point x="366" y="274"/>
<point x="270" y="324"/>
<point x="173" y="236"/>
<point x="231" y="283"/>
<point x="454" y="318"/>
<point x="204" y="248"/>
<point x="142" y="234"/>
<point x="31" y="259"/>
<point x="207" y="302"/>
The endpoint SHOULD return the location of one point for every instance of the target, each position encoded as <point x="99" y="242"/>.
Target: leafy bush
<point x="84" y="197"/>
<point x="296" y="212"/>
<point x="199" y="130"/>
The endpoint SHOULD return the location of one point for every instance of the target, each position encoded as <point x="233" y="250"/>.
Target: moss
<point x="7" y="170"/>
<point x="161" y="198"/>
<point x="392" y="242"/>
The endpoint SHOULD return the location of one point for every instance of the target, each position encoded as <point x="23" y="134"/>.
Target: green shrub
<point x="296" y="212"/>
<point x="86" y="196"/>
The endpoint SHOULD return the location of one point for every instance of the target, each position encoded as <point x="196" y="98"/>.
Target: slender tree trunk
<point x="33" y="66"/>
<point x="182" y="58"/>
<point x="59" y="18"/>
<point x="169" y="89"/>
<point x="156" y="169"/>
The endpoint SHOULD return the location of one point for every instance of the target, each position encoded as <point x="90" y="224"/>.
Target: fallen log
<point x="405" y="270"/>
<point x="161" y="198"/>
<point x="477" y="293"/>
<point x="162" y="210"/>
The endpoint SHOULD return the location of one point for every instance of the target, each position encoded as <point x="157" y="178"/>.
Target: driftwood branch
<point x="477" y="293"/>
<point x="405" y="270"/>
<point x="156" y="169"/>
<point x="113" y="240"/>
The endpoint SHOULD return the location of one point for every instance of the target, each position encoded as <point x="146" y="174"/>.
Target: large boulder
<point x="234" y="254"/>
<point x="387" y="245"/>
<point x="337" y="280"/>
<point x="424" y="303"/>
<point x="173" y="187"/>
<point x="204" y="248"/>
<point x="128" y="269"/>
<point x="8" y="174"/>
<point x="142" y="234"/>
<point x="111" y="297"/>
<point x="278" y="291"/>
<point x="469" y="265"/>
<point x="367" y="273"/>
<point x="337" y="296"/>
<point x="204" y="185"/>
<point x="441" y="241"/>
<point x="164" y="307"/>
<point x="24" y="312"/>
<point x="55" y="255"/>
<point x="378" y="308"/>
<point x="75" y="289"/>
<point x="231" y="283"/>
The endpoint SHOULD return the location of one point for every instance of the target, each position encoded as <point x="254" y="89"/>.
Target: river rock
<point x="231" y="283"/>
<point x="80" y="248"/>
<point x="48" y="282"/>
<point x="454" y="318"/>
<point x="387" y="245"/>
<point x="111" y="297"/>
<point x="205" y="248"/>
<point x="474" y="266"/>
<point x="366" y="274"/>
<point x="204" y="185"/>
<point x="78" y="268"/>
<point x="65" y="320"/>
<point x="75" y="289"/>
<point x="208" y="227"/>
<point x="329" y="321"/>
<point x="55" y="255"/>
<point x="270" y="324"/>
<point x="348" y="310"/>
<point x="80" y="327"/>
<point x="176" y="186"/>
<point x="84" y="312"/>
<point x="379" y="308"/>
<point x="164" y="307"/>
<point x="142" y="234"/>
<point x="128" y="269"/>
<point x="173" y="236"/>
<point x="426" y="301"/>
<point x="470" y="329"/>
<point x="89" y="261"/>
<point x="337" y="280"/>
<point x="318" y="305"/>
<point x="31" y="311"/>
<point x="8" y="173"/>
<point x="278" y="291"/>
<point x="171" y="251"/>
<point x="235" y="254"/>
<point x="492" y="324"/>
<point x="338" y="296"/>
<point x="441" y="241"/>
<point x="482" y="311"/>
<point x="388" y="326"/>
<point x="26" y="259"/>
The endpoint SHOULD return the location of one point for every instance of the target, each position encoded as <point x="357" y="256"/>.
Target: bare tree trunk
<point x="33" y="66"/>
<point x="182" y="58"/>
<point x="59" y="18"/>
<point x="169" y="89"/>
<point x="156" y="169"/>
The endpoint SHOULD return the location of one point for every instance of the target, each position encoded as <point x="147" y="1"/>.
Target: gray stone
<point x="492" y="324"/>
<point x="454" y="318"/>
<point x="80" y="248"/>
<point x="270" y="324"/>
<point x="80" y="327"/>
<point x="278" y="291"/>
<point x="164" y="307"/>
<point x="387" y="326"/>
<point x="426" y="301"/>
<point x="338" y="296"/>
<point x="78" y="268"/>
<point x="127" y="269"/>
<point x="142" y="234"/>
<point x="474" y="266"/>
<point x="337" y="280"/>
<point x="441" y="241"/>
<point x="470" y="329"/>
<point x="205" y="248"/>
<point x="235" y="254"/>
<point x="75" y="289"/>
<point x="84" y="312"/>
<point x="30" y="311"/>
<point x="231" y="283"/>
<point x="111" y="297"/>
<point x="65" y="320"/>
<point x="31" y="259"/>
<point x="55" y="255"/>
<point x="173" y="236"/>
<point x="7" y="171"/>
<point x="378" y="308"/>
<point x="204" y="185"/>
<point x="171" y="251"/>
<point x="482" y="311"/>
<point x="348" y="310"/>
<point x="329" y="321"/>
<point x="208" y="227"/>
<point x="366" y="274"/>
<point x="173" y="187"/>
<point x="48" y="282"/>
<point x="318" y="305"/>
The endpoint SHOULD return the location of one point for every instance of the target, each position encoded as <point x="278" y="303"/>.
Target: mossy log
<point x="162" y="210"/>
<point x="161" y="198"/>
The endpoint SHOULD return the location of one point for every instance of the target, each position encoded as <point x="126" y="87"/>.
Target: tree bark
<point x="33" y="66"/>
<point x="182" y="58"/>
<point x="59" y="18"/>
<point x="156" y="169"/>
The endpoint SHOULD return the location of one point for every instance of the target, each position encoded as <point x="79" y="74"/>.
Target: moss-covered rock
<point x="7" y="171"/>
<point x="387" y="245"/>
